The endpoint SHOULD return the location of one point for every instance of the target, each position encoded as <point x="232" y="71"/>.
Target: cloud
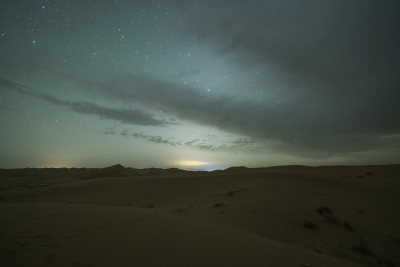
<point x="239" y="144"/>
<point x="17" y="87"/>
<point x="311" y="44"/>
<point x="304" y="127"/>
<point x="130" y="116"/>
<point x="150" y="138"/>
<point x="190" y="73"/>
<point x="334" y="63"/>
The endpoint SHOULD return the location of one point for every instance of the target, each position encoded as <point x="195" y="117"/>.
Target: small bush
<point x="309" y="225"/>
<point x="234" y="192"/>
<point x="230" y="193"/>
<point x="219" y="204"/>
<point x="369" y="173"/>
<point x="386" y="262"/>
<point x="180" y="210"/>
<point x="348" y="227"/>
<point x="361" y="249"/>
<point x="324" y="210"/>
<point x="318" y="250"/>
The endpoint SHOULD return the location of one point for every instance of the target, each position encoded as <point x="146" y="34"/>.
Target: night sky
<point x="199" y="84"/>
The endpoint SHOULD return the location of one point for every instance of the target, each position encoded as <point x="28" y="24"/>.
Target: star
<point x="33" y="41"/>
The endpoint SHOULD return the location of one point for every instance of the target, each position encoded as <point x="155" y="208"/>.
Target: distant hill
<point x="235" y="169"/>
<point x="120" y="171"/>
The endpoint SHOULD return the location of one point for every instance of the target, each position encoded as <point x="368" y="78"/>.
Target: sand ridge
<point x="282" y="216"/>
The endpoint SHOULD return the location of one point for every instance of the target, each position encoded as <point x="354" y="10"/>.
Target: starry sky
<point x="199" y="84"/>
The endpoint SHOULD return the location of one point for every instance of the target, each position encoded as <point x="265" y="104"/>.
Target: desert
<point x="276" y="216"/>
<point x="199" y="133"/>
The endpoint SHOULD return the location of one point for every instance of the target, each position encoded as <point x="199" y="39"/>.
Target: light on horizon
<point x="190" y="163"/>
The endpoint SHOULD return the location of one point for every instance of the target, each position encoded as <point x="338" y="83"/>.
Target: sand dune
<point x="279" y="216"/>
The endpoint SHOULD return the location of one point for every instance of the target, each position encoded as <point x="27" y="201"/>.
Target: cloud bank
<point x="130" y="116"/>
<point x="299" y="127"/>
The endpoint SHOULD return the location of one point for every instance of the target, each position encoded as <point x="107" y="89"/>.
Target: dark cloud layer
<point x="130" y="116"/>
<point x="313" y="79"/>
<point x="240" y="144"/>
<point x="316" y="44"/>
<point x="303" y="128"/>
<point x="339" y="59"/>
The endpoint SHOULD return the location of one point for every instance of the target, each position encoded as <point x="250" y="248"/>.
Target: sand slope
<point x="89" y="235"/>
<point x="239" y="217"/>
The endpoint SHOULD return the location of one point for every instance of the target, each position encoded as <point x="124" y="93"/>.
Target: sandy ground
<point x="279" y="216"/>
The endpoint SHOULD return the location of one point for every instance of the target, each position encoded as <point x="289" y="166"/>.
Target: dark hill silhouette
<point x="115" y="167"/>
<point x="235" y="169"/>
<point x="118" y="170"/>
